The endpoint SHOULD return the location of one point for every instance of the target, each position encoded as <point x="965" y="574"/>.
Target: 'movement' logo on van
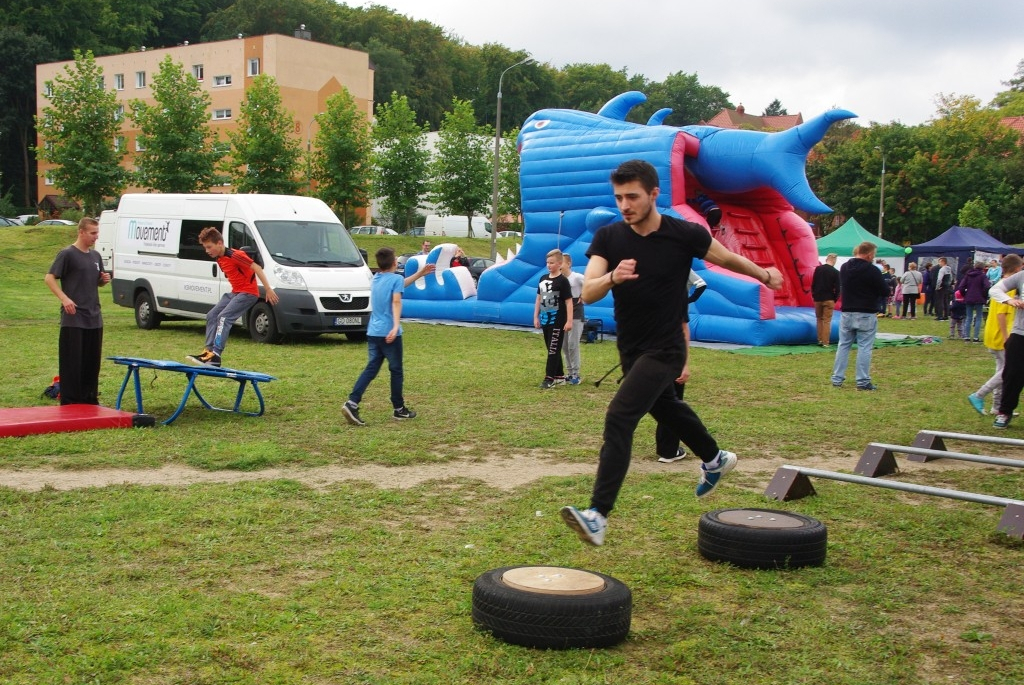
<point x="151" y="234"/>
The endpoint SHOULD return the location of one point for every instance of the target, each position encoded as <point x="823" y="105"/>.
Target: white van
<point x="456" y="226"/>
<point x="161" y="270"/>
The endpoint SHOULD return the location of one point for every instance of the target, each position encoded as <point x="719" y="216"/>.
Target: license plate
<point x="348" y="320"/>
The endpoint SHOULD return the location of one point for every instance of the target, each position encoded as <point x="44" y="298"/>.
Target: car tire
<point x="551" y="607"/>
<point x="146" y="316"/>
<point x="762" y="538"/>
<point x="263" y="324"/>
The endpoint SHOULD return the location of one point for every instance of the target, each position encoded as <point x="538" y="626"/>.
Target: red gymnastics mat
<point x="65" y="418"/>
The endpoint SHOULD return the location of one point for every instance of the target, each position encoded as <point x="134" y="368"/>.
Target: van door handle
<point x="213" y="271"/>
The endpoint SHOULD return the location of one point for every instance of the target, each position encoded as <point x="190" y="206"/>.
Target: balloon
<point x="908" y="250"/>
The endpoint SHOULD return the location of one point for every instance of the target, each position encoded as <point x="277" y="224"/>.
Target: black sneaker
<point x="351" y="411"/>
<point x="869" y="386"/>
<point x="547" y="383"/>
<point x="404" y="413"/>
<point x="199" y="358"/>
<point x="680" y="454"/>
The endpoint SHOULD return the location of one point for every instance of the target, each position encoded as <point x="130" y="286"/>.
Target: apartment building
<point x="307" y="73"/>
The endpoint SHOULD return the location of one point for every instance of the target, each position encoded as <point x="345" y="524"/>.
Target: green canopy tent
<point x="850" y="235"/>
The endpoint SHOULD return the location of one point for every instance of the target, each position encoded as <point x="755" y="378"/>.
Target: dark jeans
<point x="910" y="301"/>
<point x="379" y="350"/>
<point x="553" y="336"/>
<point x="646" y="388"/>
<point x="666" y="442"/>
<point x="79" y="355"/>
<point x="1013" y="374"/>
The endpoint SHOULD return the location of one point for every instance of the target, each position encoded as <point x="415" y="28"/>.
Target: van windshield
<point x="309" y="243"/>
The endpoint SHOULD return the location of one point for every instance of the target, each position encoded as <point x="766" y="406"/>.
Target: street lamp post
<point x="881" y="195"/>
<point x="497" y="159"/>
<point x="309" y="151"/>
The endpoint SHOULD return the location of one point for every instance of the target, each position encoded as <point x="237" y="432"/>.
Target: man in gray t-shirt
<point x="74" y="278"/>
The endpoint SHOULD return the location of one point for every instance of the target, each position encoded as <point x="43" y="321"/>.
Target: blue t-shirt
<point x="384" y="285"/>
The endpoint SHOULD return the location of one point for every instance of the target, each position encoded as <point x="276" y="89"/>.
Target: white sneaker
<point x="589" y="524"/>
<point x="710" y="478"/>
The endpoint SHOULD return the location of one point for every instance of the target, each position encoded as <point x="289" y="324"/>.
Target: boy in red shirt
<point x="242" y="272"/>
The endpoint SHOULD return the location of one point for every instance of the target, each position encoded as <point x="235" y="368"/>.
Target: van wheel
<point x="552" y="607"/>
<point x="146" y="316"/>
<point x="762" y="538"/>
<point x="263" y="324"/>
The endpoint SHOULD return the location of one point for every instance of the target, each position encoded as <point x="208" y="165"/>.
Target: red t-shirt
<point x="237" y="266"/>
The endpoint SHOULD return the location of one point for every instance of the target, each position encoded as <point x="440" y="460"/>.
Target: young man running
<point x="644" y="260"/>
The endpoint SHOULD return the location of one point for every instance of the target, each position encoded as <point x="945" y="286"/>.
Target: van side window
<point x="240" y="236"/>
<point x="190" y="247"/>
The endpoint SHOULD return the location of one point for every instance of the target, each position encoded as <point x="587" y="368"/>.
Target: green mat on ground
<point x="778" y="350"/>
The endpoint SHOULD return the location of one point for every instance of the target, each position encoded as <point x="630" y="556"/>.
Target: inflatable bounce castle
<point x="741" y="185"/>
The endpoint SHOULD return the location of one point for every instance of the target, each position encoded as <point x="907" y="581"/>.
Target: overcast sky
<point x="885" y="60"/>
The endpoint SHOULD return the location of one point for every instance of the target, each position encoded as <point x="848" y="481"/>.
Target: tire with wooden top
<point x="762" y="538"/>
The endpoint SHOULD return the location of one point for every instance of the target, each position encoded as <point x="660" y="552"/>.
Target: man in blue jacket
<point x="862" y="285"/>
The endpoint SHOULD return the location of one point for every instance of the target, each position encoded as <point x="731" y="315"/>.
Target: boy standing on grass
<point x="242" y="272"/>
<point x="552" y="313"/>
<point x="573" y="335"/>
<point x="384" y="335"/>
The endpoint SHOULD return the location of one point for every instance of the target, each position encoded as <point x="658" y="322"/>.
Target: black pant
<point x="910" y="300"/>
<point x="666" y="442"/>
<point x="79" y="354"/>
<point x="941" y="303"/>
<point x="646" y="388"/>
<point x="553" y="339"/>
<point x="1013" y="374"/>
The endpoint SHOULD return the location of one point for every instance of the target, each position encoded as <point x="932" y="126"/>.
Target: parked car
<point x="510" y="234"/>
<point x="402" y="259"/>
<point x="371" y="230"/>
<point x="4" y="221"/>
<point x="477" y="265"/>
<point x="56" y="222"/>
<point x="25" y="218"/>
<point x="417" y="232"/>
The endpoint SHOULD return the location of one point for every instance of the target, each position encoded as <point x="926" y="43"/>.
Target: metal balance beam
<point x="793" y="482"/>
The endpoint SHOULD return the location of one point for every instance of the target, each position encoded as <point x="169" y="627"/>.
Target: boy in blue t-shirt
<point x="384" y="335"/>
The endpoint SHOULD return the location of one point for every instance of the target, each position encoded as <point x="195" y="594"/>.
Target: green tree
<point x="510" y="196"/>
<point x="401" y="162"/>
<point x="180" y="152"/>
<point x="775" y="109"/>
<point x="265" y="154"/>
<point x="587" y="87"/>
<point x="462" y="170"/>
<point x="341" y="160"/>
<point x="974" y="213"/>
<point x="691" y="101"/>
<point x="19" y="53"/>
<point x="77" y="129"/>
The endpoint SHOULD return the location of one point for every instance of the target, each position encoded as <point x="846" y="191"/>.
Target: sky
<point x="884" y="60"/>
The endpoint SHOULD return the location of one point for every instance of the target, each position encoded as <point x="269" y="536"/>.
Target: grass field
<point x="273" y="581"/>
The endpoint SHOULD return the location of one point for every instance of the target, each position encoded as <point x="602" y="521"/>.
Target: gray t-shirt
<point x="79" y="275"/>
<point x="999" y="291"/>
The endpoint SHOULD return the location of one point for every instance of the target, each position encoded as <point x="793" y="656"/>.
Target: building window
<point x="197" y="71"/>
<point x="224" y="80"/>
<point x="119" y="81"/>
<point x="139" y="147"/>
<point x="222" y="114"/>
<point x="48" y="180"/>
<point x="118" y="143"/>
<point x="119" y="113"/>
<point x="254" y="67"/>
<point x="48" y="89"/>
<point x="140" y="79"/>
<point x="102" y="82"/>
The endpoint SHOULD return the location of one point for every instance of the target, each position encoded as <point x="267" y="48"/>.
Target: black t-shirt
<point x="79" y="275"/>
<point x="554" y="293"/>
<point x="649" y="309"/>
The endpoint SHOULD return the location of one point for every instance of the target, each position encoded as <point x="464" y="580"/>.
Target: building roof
<point x="57" y="202"/>
<point x="1016" y="123"/>
<point x="738" y="118"/>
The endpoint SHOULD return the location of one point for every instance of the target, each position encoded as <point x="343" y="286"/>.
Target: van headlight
<point x="290" y="278"/>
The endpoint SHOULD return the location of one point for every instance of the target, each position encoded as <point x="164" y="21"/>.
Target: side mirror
<point x="254" y="254"/>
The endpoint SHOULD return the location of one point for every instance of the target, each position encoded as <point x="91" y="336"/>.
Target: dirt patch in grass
<point x="505" y="472"/>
